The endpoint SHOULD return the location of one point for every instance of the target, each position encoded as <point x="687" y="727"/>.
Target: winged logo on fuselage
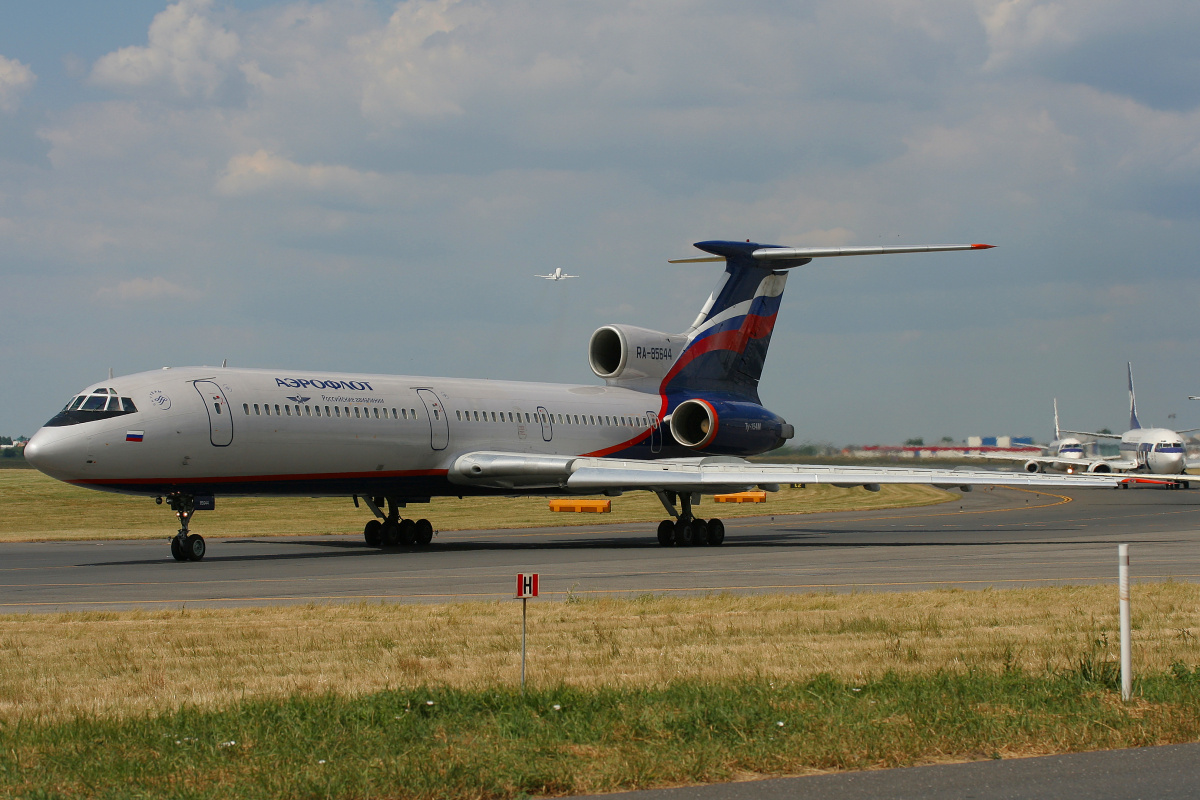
<point x="298" y="399"/>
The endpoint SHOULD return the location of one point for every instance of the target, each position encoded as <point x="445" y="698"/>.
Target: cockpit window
<point x="99" y="404"/>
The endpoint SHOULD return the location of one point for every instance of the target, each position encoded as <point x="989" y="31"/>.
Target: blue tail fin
<point x="727" y="344"/>
<point x="1133" y="420"/>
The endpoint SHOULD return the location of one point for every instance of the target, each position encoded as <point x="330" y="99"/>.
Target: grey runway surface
<point x="998" y="538"/>
<point x="1144" y="773"/>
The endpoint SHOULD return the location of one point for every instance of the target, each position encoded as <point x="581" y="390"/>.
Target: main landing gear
<point x="685" y="529"/>
<point x="393" y="531"/>
<point x="185" y="546"/>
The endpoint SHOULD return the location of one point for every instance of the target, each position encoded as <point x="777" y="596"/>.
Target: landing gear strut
<point x="185" y="546"/>
<point x="389" y="530"/>
<point x="685" y="529"/>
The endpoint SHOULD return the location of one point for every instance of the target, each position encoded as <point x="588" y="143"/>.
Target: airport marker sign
<point x="527" y="587"/>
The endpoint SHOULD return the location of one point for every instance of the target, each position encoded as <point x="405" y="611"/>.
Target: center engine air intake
<point x="728" y="427"/>
<point x="625" y="355"/>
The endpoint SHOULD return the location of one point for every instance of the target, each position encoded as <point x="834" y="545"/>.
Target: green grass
<point x="452" y="743"/>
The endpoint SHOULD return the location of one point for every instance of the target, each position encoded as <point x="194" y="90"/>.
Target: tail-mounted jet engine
<point x="627" y="356"/>
<point x="728" y="427"/>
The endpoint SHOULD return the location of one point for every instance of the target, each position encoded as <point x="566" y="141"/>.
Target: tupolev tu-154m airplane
<point x="675" y="416"/>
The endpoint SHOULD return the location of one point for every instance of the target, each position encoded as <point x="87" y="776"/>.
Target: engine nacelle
<point x="625" y="355"/>
<point x="1033" y="466"/>
<point x="728" y="427"/>
<point x="1100" y="467"/>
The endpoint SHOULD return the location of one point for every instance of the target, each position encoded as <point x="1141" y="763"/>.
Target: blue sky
<point x="371" y="186"/>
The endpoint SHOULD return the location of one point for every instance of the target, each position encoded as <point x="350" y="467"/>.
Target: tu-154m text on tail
<point x="675" y="415"/>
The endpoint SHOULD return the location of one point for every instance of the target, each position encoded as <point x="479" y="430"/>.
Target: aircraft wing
<point x="1097" y="435"/>
<point x="587" y="475"/>
<point x="1064" y="464"/>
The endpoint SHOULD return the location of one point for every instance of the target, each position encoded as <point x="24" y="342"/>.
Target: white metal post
<point x="524" y="602"/>
<point x="1126" y="647"/>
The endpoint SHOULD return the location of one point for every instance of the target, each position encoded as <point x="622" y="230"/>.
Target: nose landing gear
<point x="185" y="546"/>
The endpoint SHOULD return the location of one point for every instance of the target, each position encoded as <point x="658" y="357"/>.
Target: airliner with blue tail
<point x="676" y="415"/>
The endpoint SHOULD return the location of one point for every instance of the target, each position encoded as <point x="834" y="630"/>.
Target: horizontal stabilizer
<point x="793" y="253"/>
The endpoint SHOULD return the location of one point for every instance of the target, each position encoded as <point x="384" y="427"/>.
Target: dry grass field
<point x="34" y="507"/>
<point x="114" y="665"/>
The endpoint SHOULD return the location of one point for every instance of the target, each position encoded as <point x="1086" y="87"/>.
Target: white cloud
<point x="186" y="50"/>
<point x="15" y="80"/>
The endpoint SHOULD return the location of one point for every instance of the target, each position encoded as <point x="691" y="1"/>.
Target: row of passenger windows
<point x="545" y="417"/>
<point x="373" y="412"/>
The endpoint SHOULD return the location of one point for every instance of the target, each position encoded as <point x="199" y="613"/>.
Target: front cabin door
<point x="439" y="425"/>
<point x="220" y="421"/>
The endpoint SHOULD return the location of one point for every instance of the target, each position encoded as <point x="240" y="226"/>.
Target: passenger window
<point x="217" y="406"/>
<point x="437" y="414"/>
<point x="376" y="410"/>
<point x="458" y="415"/>
<point x="277" y="409"/>
<point x="256" y="409"/>
<point x="404" y="413"/>
<point x="337" y="411"/>
<point x="246" y="408"/>
<point x="288" y="409"/>
<point x="356" y="411"/>
<point x="476" y="416"/>
<point x="308" y="411"/>
<point x="493" y="416"/>
<point x="412" y="413"/>
<point x="267" y="409"/>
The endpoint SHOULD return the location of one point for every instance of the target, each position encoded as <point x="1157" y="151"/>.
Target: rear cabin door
<point x="655" y="433"/>
<point x="220" y="420"/>
<point x="439" y="425"/>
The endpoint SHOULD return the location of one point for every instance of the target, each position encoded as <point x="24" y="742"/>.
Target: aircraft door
<point x="439" y="424"/>
<point x="547" y="424"/>
<point x="655" y="433"/>
<point x="220" y="418"/>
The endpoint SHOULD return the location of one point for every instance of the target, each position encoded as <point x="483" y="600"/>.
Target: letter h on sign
<point x="527" y="584"/>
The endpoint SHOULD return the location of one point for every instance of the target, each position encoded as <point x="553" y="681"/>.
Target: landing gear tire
<point x="194" y="547"/>
<point x="408" y="532"/>
<point x="373" y="533"/>
<point x="699" y="532"/>
<point x="423" y="531"/>
<point x="177" y="550"/>
<point x="391" y="534"/>
<point x="666" y="532"/>
<point x="716" y="532"/>
<point x="684" y="535"/>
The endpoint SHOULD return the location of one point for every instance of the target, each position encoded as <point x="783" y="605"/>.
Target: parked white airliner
<point x="674" y="414"/>
<point x="1061" y="455"/>
<point x="1159" y="451"/>
<point x="557" y="275"/>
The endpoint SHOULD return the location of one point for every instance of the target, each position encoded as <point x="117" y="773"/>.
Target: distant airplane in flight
<point x="557" y="275"/>
<point x="674" y="416"/>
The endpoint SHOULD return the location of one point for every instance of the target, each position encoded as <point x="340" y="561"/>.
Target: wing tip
<point x="982" y="246"/>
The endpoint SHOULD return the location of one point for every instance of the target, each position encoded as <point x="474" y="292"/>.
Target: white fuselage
<point x="250" y="431"/>
<point x="1156" y="450"/>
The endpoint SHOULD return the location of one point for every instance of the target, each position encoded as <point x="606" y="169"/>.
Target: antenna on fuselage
<point x="110" y="375"/>
<point x="224" y="361"/>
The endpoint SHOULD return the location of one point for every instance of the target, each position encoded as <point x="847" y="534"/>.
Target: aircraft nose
<point x="51" y="453"/>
